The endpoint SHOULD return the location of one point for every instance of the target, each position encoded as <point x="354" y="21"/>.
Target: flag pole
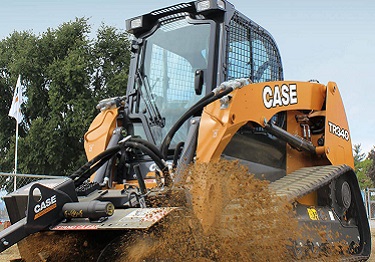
<point x="15" y="157"/>
<point x="14" y="112"/>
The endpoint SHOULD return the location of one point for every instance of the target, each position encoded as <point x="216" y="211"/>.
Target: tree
<point x="111" y="52"/>
<point x="65" y="73"/>
<point x="362" y="165"/>
<point x="371" y="170"/>
<point x="357" y="154"/>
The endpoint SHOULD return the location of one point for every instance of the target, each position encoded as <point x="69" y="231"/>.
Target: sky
<point x="327" y="40"/>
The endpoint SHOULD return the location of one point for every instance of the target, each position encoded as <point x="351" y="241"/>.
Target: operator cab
<point x="181" y="53"/>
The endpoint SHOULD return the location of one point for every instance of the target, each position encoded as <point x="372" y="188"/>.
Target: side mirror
<point x="198" y="81"/>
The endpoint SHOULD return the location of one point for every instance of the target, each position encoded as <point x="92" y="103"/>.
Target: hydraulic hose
<point x="88" y="172"/>
<point x="192" y="111"/>
<point x="79" y="175"/>
<point x="149" y="145"/>
<point x="158" y="156"/>
<point x="85" y="171"/>
<point x="158" y="161"/>
<point x="222" y="90"/>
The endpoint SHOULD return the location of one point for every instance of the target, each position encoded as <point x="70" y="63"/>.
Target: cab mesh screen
<point x="252" y="52"/>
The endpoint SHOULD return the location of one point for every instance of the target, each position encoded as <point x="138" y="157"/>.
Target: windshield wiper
<point x="152" y="108"/>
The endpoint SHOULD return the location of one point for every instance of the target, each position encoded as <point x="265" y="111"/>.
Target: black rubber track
<point x="309" y="179"/>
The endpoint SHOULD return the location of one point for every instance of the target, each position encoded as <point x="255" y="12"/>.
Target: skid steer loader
<point x="205" y="83"/>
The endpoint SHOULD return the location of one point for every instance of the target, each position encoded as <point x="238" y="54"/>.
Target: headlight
<point x="136" y="23"/>
<point x="221" y="4"/>
<point x="205" y="5"/>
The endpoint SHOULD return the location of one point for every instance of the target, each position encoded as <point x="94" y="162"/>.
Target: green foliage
<point x="65" y="73"/>
<point x="362" y="167"/>
<point x="111" y="74"/>
<point x="357" y="154"/>
<point x="371" y="171"/>
<point x="362" y="174"/>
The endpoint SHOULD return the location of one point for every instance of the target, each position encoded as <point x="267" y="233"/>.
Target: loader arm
<point x="258" y="103"/>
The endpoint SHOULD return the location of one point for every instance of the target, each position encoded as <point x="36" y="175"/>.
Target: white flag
<point x="15" y="109"/>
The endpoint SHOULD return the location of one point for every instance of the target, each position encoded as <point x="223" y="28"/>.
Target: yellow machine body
<point x="258" y="103"/>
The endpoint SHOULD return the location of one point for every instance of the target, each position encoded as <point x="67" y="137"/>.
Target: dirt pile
<point x="56" y="246"/>
<point x="232" y="217"/>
